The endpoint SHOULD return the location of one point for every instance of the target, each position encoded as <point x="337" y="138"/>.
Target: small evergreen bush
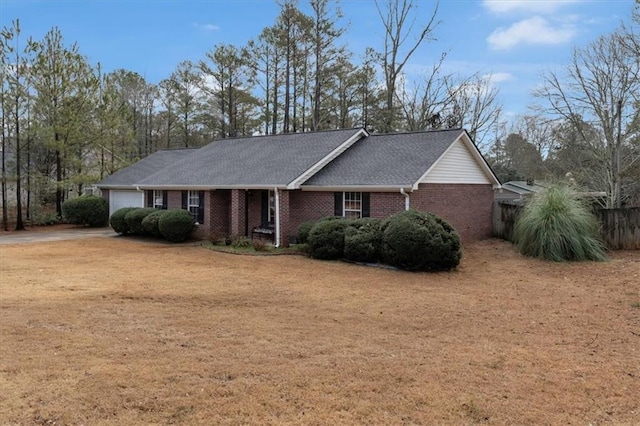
<point x="117" y="221"/>
<point x="303" y="232"/>
<point x="134" y="219"/>
<point x="363" y="240"/>
<point x="418" y="241"/>
<point x="240" y="241"/>
<point x="326" y="238"/>
<point x="556" y="225"/>
<point x="260" y="245"/>
<point x="176" y="225"/>
<point x="86" y="210"/>
<point x="45" y="219"/>
<point x="150" y="223"/>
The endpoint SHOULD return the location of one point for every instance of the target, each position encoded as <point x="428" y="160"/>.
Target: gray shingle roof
<point x="150" y="164"/>
<point x="386" y="160"/>
<point x="256" y="161"/>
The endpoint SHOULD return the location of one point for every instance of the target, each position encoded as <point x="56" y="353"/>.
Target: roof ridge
<point x="355" y="129"/>
<point x="457" y="129"/>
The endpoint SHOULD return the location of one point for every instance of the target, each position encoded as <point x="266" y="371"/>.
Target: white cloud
<point x="531" y="31"/>
<point x="498" y="77"/>
<point x="525" y="6"/>
<point x="206" y="27"/>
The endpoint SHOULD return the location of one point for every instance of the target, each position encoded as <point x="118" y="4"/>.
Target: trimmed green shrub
<point x="240" y="241"/>
<point x="135" y="217"/>
<point x="303" y="232"/>
<point x="86" y="210"/>
<point x="150" y="223"/>
<point x="176" y="225"/>
<point x="556" y="225"/>
<point x="117" y="221"/>
<point x="363" y="240"/>
<point x="45" y="219"/>
<point x="326" y="238"/>
<point x="418" y="241"/>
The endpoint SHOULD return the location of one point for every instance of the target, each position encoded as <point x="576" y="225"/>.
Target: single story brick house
<point x="271" y="184"/>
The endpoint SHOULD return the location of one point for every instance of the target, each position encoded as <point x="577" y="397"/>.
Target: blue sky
<point x="514" y="40"/>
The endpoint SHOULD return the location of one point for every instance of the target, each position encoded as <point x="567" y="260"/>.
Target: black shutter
<point x="264" y="212"/>
<point x="149" y="198"/>
<point x="185" y="194"/>
<point x="200" y="207"/>
<point x="337" y="206"/>
<point x="366" y="204"/>
<point x="165" y="198"/>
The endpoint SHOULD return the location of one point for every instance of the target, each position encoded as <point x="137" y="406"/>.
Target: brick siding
<point x="174" y="199"/>
<point x="305" y="206"/>
<point x="216" y="214"/>
<point x="468" y="208"/>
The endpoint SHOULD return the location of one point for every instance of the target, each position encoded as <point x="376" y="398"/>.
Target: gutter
<point x="277" y="203"/>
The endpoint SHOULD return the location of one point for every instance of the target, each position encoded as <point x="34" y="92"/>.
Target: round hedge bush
<point x="326" y="238"/>
<point x="303" y="232"/>
<point x="176" y="225"/>
<point x="86" y="210"/>
<point x="418" y="241"/>
<point x="150" y="223"/>
<point x="363" y="240"/>
<point x="135" y="217"/>
<point x="117" y="221"/>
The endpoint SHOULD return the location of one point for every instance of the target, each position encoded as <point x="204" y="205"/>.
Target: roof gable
<point x="458" y="164"/>
<point x="389" y="160"/>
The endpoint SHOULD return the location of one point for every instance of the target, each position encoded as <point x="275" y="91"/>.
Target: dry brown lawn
<point x="118" y="331"/>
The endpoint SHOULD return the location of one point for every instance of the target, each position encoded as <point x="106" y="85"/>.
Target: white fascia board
<point x="117" y="187"/>
<point x="475" y="153"/>
<point x="356" y="188"/>
<point x="209" y="187"/>
<point x="295" y="184"/>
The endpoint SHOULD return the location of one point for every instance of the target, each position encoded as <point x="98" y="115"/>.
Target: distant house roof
<point x="150" y="164"/>
<point x="328" y="159"/>
<point x="397" y="160"/>
<point x="523" y="188"/>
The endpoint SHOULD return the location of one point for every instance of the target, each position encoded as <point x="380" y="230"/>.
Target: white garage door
<point x="120" y="199"/>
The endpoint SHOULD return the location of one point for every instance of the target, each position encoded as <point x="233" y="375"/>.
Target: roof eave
<point x="356" y="188"/>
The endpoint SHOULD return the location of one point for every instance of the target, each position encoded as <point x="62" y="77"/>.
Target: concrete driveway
<point x="33" y="236"/>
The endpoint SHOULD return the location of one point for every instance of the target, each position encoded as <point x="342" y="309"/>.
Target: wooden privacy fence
<point x="619" y="228"/>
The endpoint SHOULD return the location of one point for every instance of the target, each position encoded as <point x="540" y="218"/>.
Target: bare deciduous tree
<point x="399" y="23"/>
<point x="601" y="86"/>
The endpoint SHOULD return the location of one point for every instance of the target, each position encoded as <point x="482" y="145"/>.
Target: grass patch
<point x="255" y="250"/>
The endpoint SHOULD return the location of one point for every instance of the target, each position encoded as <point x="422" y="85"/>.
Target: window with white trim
<point x="158" y="199"/>
<point x="352" y="205"/>
<point x="193" y="204"/>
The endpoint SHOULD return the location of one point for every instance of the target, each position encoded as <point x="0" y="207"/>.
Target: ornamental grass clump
<point x="556" y="225"/>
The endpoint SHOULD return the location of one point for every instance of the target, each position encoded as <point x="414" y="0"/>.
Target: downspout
<point x="277" y="203"/>
<point x="406" y="199"/>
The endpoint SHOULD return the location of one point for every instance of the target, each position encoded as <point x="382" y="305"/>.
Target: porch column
<point x="237" y="212"/>
<point x="283" y="204"/>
